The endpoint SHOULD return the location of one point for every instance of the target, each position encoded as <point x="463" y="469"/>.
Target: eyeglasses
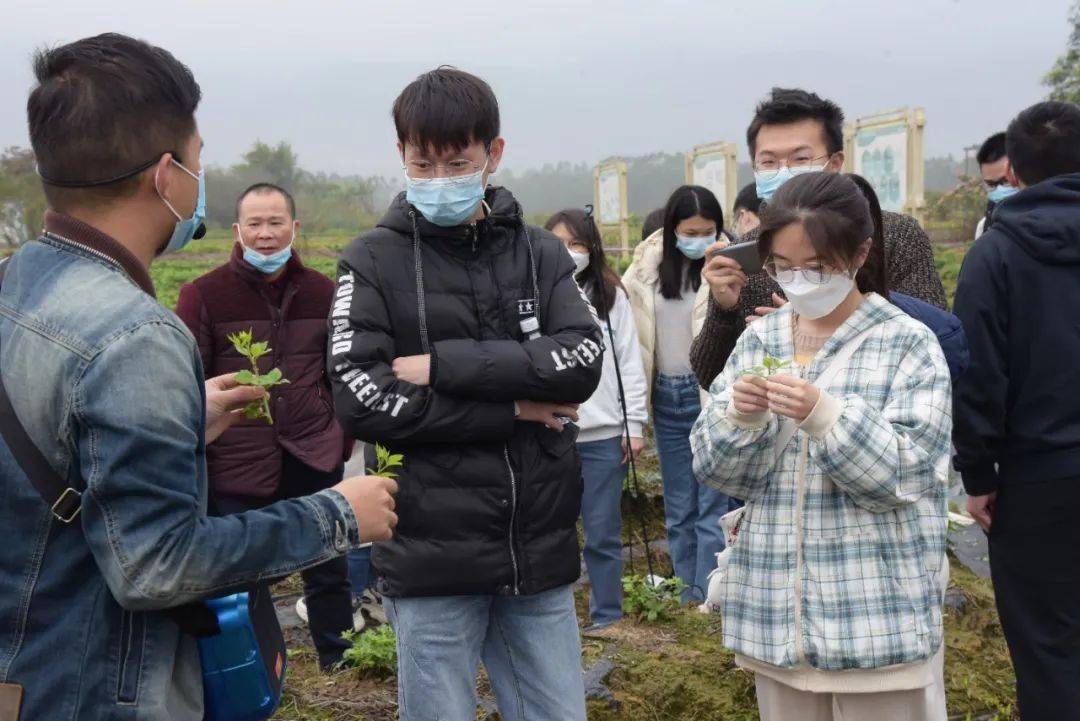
<point x="799" y="163"/>
<point x="426" y="170"/>
<point x="817" y="275"/>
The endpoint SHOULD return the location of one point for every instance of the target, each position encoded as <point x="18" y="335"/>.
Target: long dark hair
<point x="677" y="272"/>
<point x="599" y="280"/>
<point x="873" y="277"/>
<point x="833" y="212"/>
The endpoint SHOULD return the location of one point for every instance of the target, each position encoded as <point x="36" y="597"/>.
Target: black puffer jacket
<point x="487" y="505"/>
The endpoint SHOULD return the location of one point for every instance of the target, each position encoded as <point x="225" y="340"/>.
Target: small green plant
<point x="243" y="343"/>
<point x="769" y="367"/>
<point x="648" y="601"/>
<point x="373" y="652"/>
<point x="386" y="462"/>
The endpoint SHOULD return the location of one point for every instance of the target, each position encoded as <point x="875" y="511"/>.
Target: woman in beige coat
<point x="669" y="302"/>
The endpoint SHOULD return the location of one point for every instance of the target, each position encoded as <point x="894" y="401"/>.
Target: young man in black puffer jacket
<point x="460" y="340"/>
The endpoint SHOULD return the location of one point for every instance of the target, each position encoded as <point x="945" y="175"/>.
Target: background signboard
<point x="713" y="166"/>
<point x="610" y="200"/>
<point x="886" y="149"/>
<point x="612" y="209"/>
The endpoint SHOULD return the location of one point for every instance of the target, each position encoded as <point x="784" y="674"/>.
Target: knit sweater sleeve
<point x="713" y="346"/>
<point x="911" y="266"/>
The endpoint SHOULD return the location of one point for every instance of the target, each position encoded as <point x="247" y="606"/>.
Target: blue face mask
<point x="1001" y="192"/>
<point x="766" y="185"/>
<point x="192" y="227"/>
<point x="693" y="248"/>
<point x="446" y="202"/>
<point x="268" y="264"/>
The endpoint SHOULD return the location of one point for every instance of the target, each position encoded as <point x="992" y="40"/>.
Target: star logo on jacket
<point x="526" y="307"/>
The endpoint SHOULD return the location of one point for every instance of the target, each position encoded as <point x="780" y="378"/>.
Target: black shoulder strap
<point x="64" y="500"/>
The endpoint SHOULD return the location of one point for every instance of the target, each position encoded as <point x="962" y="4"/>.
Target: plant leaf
<point x="246" y="378"/>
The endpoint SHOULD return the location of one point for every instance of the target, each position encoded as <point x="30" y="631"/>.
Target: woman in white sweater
<point x="606" y="438"/>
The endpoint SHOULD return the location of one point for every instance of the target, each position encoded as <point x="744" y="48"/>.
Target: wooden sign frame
<point x="623" y="222"/>
<point x="728" y="150"/>
<point x="914" y="121"/>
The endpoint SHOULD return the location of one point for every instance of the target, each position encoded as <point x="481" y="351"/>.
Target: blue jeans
<point x="692" y="511"/>
<point x="360" y="571"/>
<point x="601" y="514"/>
<point x="529" y="645"/>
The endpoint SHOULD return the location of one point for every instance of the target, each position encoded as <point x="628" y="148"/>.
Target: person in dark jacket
<point x="1017" y="417"/>
<point x="994" y="168"/>
<point x="746" y="211"/>
<point x="460" y="340"/>
<point x="793" y="132"/>
<point x="265" y="287"/>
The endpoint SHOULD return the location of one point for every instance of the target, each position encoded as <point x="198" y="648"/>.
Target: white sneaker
<point x="358" y="622"/>
<point x="357" y="615"/>
<point x="372" y="603"/>
<point x="301" y="609"/>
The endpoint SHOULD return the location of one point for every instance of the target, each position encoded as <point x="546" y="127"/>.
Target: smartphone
<point x="745" y="254"/>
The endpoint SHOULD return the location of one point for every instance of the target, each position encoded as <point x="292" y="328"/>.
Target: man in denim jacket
<point x="109" y="387"/>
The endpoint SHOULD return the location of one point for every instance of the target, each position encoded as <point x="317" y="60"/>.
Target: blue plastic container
<point x="244" y="664"/>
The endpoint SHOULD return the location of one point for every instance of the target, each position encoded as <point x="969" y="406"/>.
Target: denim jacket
<point x="109" y="386"/>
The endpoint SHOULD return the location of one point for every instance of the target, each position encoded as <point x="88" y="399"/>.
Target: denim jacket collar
<point x="67" y="228"/>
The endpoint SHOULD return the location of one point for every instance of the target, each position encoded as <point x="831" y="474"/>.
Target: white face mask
<point x="813" y="301"/>
<point x="581" y="260"/>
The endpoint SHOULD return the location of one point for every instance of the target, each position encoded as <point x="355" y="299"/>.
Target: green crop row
<point x="320" y="252"/>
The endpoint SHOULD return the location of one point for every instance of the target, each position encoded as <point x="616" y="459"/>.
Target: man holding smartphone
<point x="795" y="132"/>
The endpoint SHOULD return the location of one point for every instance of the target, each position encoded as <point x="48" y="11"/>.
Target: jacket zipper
<point x="513" y="517"/>
<point x="800" y="502"/>
<point x="86" y="248"/>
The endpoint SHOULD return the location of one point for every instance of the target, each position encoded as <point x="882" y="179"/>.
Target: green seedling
<point x="243" y="343"/>
<point x="386" y="462"/>
<point x="769" y="367"/>
<point x="373" y="653"/>
<point x="649" y="601"/>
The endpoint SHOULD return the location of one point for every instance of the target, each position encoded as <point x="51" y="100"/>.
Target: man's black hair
<point x="1044" y="141"/>
<point x="992" y="150"/>
<point x="654" y="221"/>
<point x="790" y="105"/>
<point x="446" y="109"/>
<point x="748" y="199"/>
<point x="103" y="108"/>
<point x="263" y="189"/>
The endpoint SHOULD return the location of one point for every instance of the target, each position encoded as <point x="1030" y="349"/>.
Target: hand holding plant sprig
<point x="764" y="388"/>
<point x="242" y="341"/>
<point x="750" y="392"/>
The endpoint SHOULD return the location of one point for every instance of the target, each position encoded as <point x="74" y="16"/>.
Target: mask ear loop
<point x="483" y="201"/>
<point x="164" y="199"/>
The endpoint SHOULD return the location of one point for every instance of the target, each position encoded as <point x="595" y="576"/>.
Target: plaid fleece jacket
<point x="836" y="563"/>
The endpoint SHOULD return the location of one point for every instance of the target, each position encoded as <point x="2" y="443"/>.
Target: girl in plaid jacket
<point x="834" y="587"/>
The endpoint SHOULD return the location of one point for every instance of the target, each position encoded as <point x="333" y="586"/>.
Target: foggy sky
<point x="576" y="81"/>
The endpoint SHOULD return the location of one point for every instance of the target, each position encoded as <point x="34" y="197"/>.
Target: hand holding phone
<point x="724" y="274"/>
<point x="745" y="254"/>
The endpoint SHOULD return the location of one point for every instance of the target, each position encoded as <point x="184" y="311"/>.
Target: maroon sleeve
<point x="191" y="309"/>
